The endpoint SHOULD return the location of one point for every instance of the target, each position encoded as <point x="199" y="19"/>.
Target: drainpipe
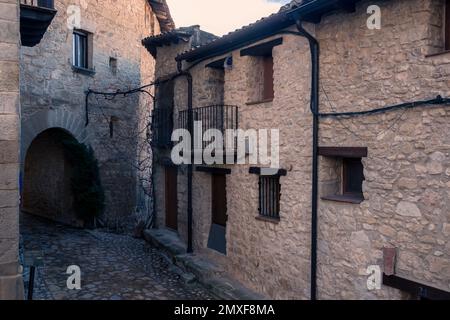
<point x="314" y="47"/>
<point x="190" y="165"/>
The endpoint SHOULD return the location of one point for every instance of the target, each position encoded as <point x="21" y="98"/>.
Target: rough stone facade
<point x="407" y="180"/>
<point x="53" y="95"/>
<point x="11" y="285"/>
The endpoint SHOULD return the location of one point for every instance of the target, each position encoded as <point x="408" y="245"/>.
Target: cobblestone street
<point x="113" y="267"/>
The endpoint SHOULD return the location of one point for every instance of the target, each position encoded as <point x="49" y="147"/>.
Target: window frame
<point x="79" y="34"/>
<point x="88" y="67"/>
<point x="339" y="192"/>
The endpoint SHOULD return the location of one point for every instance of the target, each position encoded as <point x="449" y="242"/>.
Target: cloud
<point x="221" y="16"/>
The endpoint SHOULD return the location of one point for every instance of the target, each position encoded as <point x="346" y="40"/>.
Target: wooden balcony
<point x="35" y="18"/>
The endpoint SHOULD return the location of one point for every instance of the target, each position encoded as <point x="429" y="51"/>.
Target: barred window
<point x="269" y="196"/>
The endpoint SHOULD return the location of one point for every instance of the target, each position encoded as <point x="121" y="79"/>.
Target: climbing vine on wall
<point x="88" y="193"/>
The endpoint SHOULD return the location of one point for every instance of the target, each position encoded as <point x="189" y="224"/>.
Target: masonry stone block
<point x="9" y="127"/>
<point x="9" y="102"/>
<point x="9" y="31"/>
<point x="9" y="198"/>
<point x="9" y="176"/>
<point x="9" y="152"/>
<point x="10" y="52"/>
<point x="9" y="75"/>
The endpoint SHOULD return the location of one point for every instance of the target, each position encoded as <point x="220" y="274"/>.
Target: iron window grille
<point x="162" y="127"/>
<point x="269" y="196"/>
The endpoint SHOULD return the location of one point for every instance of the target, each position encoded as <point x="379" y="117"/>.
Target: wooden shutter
<point x="268" y="91"/>
<point x="447" y="25"/>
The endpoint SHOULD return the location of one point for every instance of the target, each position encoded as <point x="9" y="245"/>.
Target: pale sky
<point x="221" y="16"/>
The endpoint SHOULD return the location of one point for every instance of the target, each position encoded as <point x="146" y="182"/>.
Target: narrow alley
<point x="113" y="267"/>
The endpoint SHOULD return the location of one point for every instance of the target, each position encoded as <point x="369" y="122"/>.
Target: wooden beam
<point x="267" y="171"/>
<point x="347" y="5"/>
<point x="213" y="170"/>
<point x="343" y="152"/>
<point x="420" y="291"/>
<point x="262" y="49"/>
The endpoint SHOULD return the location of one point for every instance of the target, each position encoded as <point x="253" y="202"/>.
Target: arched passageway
<point x="47" y="176"/>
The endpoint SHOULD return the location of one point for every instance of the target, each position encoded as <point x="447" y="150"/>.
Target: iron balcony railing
<point x="220" y="117"/>
<point x="39" y="3"/>
<point x="162" y="127"/>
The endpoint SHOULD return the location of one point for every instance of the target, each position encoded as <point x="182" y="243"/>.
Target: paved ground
<point x="113" y="267"/>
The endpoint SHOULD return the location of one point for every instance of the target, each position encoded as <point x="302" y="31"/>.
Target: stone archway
<point x="43" y="120"/>
<point x="47" y="177"/>
<point x="45" y="169"/>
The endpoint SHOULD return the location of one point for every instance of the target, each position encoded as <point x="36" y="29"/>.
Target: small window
<point x="261" y="75"/>
<point x="269" y="196"/>
<point x="343" y="173"/>
<point x="82" y="49"/>
<point x="268" y="92"/>
<point x="113" y="65"/>
<point x="447" y="25"/>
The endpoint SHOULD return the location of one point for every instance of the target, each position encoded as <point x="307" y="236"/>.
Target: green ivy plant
<point x="88" y="193"/>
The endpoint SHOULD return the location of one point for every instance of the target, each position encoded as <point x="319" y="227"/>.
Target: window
<point x="269" y="196"/>
<point x="268" y="92"/>
<point x="163" y="115"/>
<point x="447" y="25"/>
<point x="269" y="192"/>
<point x="113" y="65"/>
<point x="216" y="76"/>
<point x="343" y="173"/>
<point x="261" y="76"/>
<point x="82" y="50"/>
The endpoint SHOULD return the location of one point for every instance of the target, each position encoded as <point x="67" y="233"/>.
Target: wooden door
<point x="219" y="200"/>
<point x="171" y="198"/>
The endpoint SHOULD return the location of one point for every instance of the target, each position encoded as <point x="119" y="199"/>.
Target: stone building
<point x="60" y="50"/>
<point x="11" y="286"/>
<point x="89" y="45"/>
<point x="382" y="184"/>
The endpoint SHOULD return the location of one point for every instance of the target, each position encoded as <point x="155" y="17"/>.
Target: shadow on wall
<point x="47" y="177"/>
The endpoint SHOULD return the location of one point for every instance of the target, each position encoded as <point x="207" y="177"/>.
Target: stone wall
<point x="406" y="187"/>
<point x="11" y="285"/>
<point x="406" y="198"/>
<point x="52" y="92"/>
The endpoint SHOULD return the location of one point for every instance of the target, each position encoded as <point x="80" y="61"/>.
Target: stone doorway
<point x="46" y="187"/>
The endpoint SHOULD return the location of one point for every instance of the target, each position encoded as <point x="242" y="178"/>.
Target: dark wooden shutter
<point x="219" y="199"/>
<point x="268" y="91"/>
<point x="447" y="25"/>
<point x="353" y="176"/>
<point x="171" y="192"/>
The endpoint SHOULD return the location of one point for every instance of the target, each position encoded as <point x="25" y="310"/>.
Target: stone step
<point x="198" y="268"/>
